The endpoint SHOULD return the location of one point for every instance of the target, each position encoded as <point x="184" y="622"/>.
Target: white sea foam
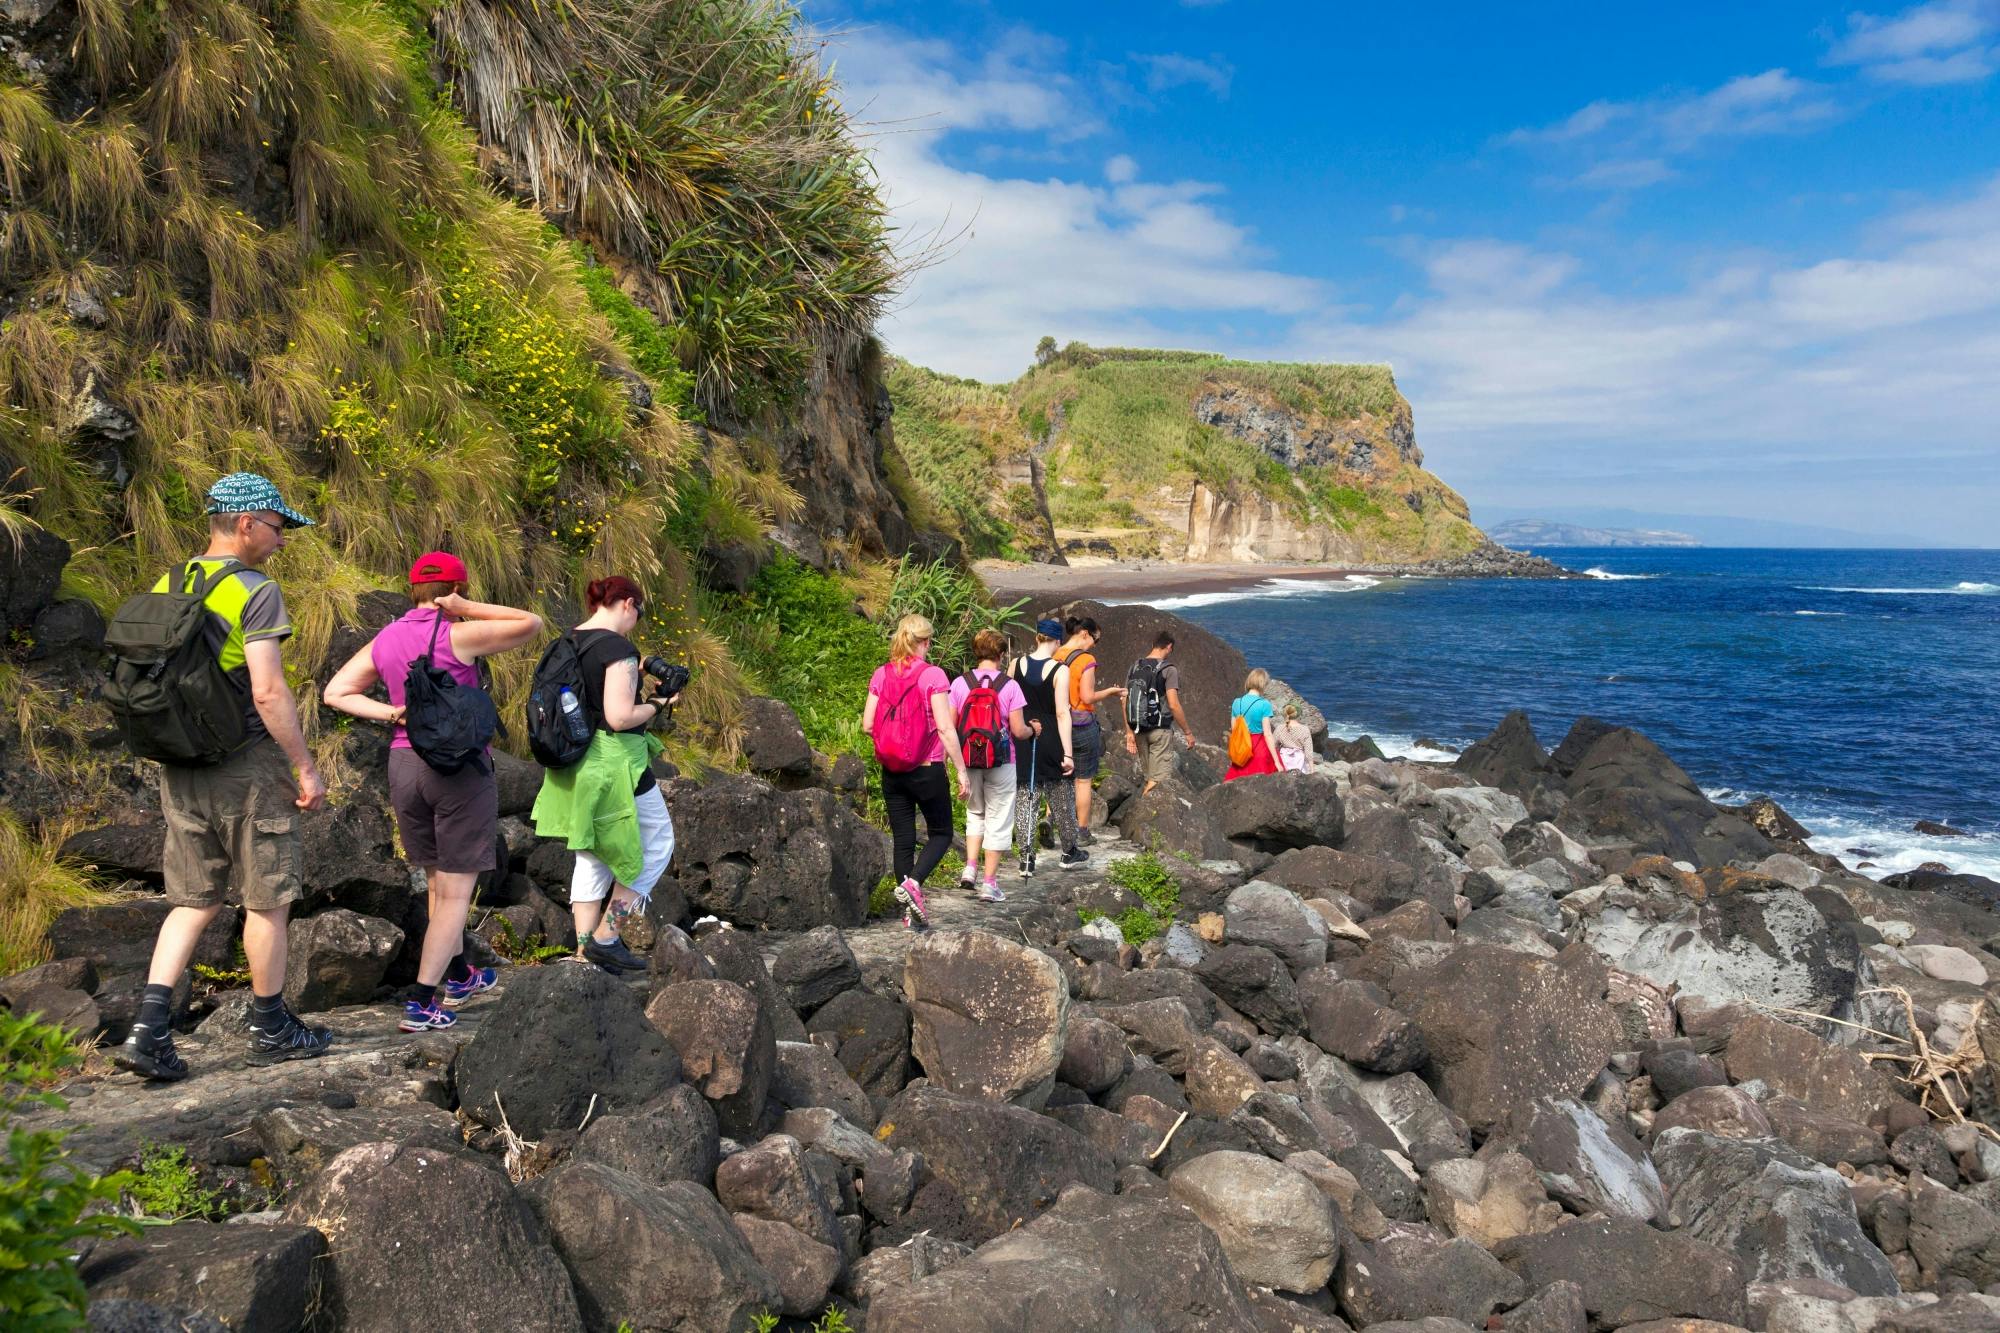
<point x="1819" y="613"/>
<point x="1889" y="848"/>
<point x="1390" y="744"/>
<point x="1960" y="589"/>
<point x="1597" y="572"/>
<point x="1268" y="589"/>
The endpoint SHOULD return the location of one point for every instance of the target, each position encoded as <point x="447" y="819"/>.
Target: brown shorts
<point x="1156" y="754"/>
<point x="233" y="828"/>
<point x="447" y="820"/>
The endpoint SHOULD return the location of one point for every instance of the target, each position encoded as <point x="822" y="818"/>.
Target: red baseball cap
<point x="438" y="567"/>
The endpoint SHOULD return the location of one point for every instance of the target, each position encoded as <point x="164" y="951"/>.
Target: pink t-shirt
<point x="889" y="682"/>
<point x="1012" y="700"/>
<point x="404" y="640"/>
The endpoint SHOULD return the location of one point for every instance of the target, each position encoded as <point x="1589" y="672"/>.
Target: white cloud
<point x="1121" y="169"/>
<point x="1629" y="145"/>
<point x="1949" y="41"/>
<point x="1170" y="71"/>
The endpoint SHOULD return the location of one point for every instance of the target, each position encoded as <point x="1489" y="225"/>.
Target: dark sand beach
<point x="1124" y="580"/>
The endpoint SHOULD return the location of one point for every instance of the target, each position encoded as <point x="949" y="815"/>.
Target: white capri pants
<point x="989" y="807"/>
<point x="591" y="881"/>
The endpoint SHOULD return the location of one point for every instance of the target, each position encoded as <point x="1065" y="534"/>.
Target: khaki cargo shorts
<point x="1156" y="754"/>
<point x="232" y="830"/>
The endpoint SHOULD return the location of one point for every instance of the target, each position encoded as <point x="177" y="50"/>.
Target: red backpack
<point x="982" y="732"/>
<point x="902" y="730"/>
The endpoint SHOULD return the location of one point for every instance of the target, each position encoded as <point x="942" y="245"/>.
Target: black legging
<point x="922" y="788"/>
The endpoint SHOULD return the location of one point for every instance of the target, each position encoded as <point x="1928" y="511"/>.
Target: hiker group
<point x="197" y="681"/>
<point x="1026" y="736"/>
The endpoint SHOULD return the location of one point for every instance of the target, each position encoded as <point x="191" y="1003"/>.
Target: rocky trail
<point x="1539" y="1040"/>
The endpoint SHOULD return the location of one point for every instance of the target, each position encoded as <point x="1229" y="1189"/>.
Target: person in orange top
<point x="1076" y="654"/>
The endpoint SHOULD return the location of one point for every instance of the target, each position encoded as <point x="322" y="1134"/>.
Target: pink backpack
<point x="902" y="730"/>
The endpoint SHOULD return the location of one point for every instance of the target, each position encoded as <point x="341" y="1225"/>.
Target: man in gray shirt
<point x="1154" y="698"/>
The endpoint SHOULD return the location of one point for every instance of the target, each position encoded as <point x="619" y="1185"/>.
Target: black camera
<point x="672" y="676"/>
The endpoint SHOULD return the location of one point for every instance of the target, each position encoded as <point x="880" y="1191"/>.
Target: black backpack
<point x="169" y="696"/>
<point x="449" y="724"/>
<point x="559" y="721"/>
<point x="1145" y="700"/>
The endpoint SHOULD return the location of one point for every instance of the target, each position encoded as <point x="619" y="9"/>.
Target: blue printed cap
<point x="1049" y="629"/>
<point x="249" y="493"/>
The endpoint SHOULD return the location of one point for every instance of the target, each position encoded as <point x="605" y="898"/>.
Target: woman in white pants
<point x="989" y="795"/>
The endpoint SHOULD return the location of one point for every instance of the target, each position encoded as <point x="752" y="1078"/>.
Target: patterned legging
<point x="1061" y="798"/>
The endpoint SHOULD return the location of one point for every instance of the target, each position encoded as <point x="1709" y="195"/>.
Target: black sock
<point x="155" y="1011"/>
<point x="424" y="995"/>
<point x="267" y="1011"/>
<point x="460" y="970"/>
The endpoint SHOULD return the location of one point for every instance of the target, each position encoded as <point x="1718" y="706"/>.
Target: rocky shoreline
<point x="1536" y="1040"/>
<point x="1126" y="580"/>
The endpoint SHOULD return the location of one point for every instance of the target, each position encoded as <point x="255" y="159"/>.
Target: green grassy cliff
<point x="1178" y="455"/>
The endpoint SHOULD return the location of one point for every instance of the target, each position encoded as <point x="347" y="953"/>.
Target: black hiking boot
<point x="151" y="1057"/>
<point x="288" y="1040"/>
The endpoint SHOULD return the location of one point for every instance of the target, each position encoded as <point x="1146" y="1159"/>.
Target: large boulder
<point x="991" y="1165"/>
<point x="784" y="860"/>
<point x="487" y="1257"/>
<point x="815" y="967"/>
<point x="1954" y="1236"/>
<point x="126" y="849"/>
<point x="1504" y="1028"/>
<point x="1277" y="1229"/>
<point x="1278" y="920"/>
<point x="725" y="1044"/>
<point x="1782" y="1214"/>
<point x="1353" y="1020"/>
<point x="774" y="744"/>
<point x="1155" y="1264"/>
<point x="259" y="1279"/>
<point x="1378" y="883"/>
<point x="645" y="1256"/>
<point x="774" y="1181"/>
<point x="673" y="1137"/>
<point x="1278" y="811"/>
<point x="1625" y="788"/>
<point x="297" y="1140"/>
<point x="1173" y="819"/>
<point x="987" y="1016"/>
<point x="733" y="955"/>
<point x="559" y="1040"/>
<point x="870" y="1034"/>
<point x="337" y="957"/>
<point x="806" y="1074"/>
<point x="1211" y="669"/>
<point x="1255" y="983"/>
<point x="1095" y="1055"/>
<point x="1590" y="1163"/>
<point x="1510" y="758"/>
<point x="1631" y="1273"/>
<point x="1797" y="1064"/>
<point x="31" y="568"/>
<point x="1412" y="1273"/>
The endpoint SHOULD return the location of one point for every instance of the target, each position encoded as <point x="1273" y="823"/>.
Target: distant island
<point x="1519" y="532"/>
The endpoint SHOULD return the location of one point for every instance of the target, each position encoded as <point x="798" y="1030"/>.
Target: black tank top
<point x="1038" y="687"/>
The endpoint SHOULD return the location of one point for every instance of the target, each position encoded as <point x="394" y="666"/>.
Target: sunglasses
<point x="278" y="528"/>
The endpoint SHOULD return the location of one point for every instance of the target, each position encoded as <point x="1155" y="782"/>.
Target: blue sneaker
<point x="420" y="1017"/>
<point x="458" y="992"/>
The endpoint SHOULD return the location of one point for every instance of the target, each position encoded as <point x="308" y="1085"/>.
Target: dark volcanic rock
<point x="488" y="1258"/>
<point x="128" y="850"/>
<point x="1625" y="787"/>
<point x="774" y="744"/>
<point x="871" y="1036"/>
<point x="725" y="1044"/>
<point x="774" y="1181"/>
<point x="785" y="860"/>
<point x="1277" y="1230"/>
<point x="1171" y="818"/>
<point x="648" y="1256"/>
<point x="1510" y="758"/>
<point x="259" y="1279"/>
<point x="987" y="1016"/>
<point x="557" y="1038"/>
<point x="297" y="1141"/>
<point x="1590" y="1164"/>
<point x="992" y="1165"/>
<point x="803" y="1268"/>
<point x="1278" y="919"/>
<point x="1413" y="1274"/>
<point x="814" y="968"/>
<point x="1278" y="811"/>
<point x="1797" y="1064"/>
<point x="1630" y="1273"/>
<point x="1095" y="1055"/>
<point x="673" y="1137"/>
<point x="1254" y="982"/>
<point x="807" y="1074"/>
<point x="1124" y="1263"/>
<point x="1211" y="668"/>
<point x="337" y="957"/>
<point x="1783" y="1215"/>
<point x="1354" y="1020"/>
<point x="734" y="956"/>
<point x="1504" y="1028"/>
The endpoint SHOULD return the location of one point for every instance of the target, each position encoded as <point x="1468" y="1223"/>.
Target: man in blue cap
<point x="232" y="826"/>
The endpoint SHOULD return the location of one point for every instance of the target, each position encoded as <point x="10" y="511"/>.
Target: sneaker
<point x="420" y="1017"/>
<point x="1027" y="864"/>
<point x="151" y="1057"/>
<point x="1074" y="859"/>
<point x="458" y="992"/>
<point x="615" y="957"/>
<point x="290" y="1040"/>
<point x="967" y="877"/>
<point x="989" y="892"/>
<point x="1085" y="838"/>
<point x="911" y="896"/>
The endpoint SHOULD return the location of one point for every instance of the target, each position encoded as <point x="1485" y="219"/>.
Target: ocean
<point x="1861" y="689"/>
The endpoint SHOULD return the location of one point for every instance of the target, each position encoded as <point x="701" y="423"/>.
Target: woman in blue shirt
<point x="1257" y="714"/>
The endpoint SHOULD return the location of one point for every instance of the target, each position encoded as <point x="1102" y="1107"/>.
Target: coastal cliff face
<point x="1185" y="457"/>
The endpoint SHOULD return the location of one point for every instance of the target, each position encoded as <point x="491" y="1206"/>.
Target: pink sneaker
<point x="911" y="896"/>
<point x="989" y="892"/>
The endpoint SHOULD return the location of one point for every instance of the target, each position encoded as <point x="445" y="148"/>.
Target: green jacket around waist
<point x="589" y="804"/>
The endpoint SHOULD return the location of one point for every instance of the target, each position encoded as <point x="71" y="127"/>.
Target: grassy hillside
<point x="1118" y="433"/>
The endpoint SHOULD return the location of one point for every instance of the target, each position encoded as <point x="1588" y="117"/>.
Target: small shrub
<point x="529" y="952"/>
<point x="168" y="1186"/>
<point x="35" y="885"/>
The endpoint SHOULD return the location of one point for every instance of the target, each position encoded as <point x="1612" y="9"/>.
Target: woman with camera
<point x="446" y="819"/>
<point x="608" y="806"/>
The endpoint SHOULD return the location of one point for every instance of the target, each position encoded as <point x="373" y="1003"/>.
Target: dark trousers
<point x="922" y="788"/>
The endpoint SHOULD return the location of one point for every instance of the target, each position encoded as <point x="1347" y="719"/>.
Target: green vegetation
<point x="35" y="886"/>
<point x="47" y="1204"/>
<point x="524" y="952"/>
<point x="1158" y="890"/>
<point x="169" y="1187"/>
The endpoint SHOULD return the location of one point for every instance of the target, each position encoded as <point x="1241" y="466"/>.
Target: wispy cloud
<point x="1170" y="71"/>
<point x="1949" y="41"/>
<point x="1628" y="145"/>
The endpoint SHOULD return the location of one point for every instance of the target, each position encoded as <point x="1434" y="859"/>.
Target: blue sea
<point x="1859" y="688"/>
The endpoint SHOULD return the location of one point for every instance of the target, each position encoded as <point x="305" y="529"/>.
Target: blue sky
<point x="1705" y="258"/>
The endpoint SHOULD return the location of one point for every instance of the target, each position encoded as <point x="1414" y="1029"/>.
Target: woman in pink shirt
<point x="908" y="715"/>
<point x="446" y="820"/>
<point x="989" y="796"/>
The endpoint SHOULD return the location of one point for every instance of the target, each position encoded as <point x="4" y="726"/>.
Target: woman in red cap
<point x="447" y="820"/>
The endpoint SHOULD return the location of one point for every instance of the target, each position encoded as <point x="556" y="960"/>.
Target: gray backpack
<point x="168" y="694"/>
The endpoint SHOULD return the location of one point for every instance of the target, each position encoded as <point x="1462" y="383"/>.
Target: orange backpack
<point x="1240" y="751"/>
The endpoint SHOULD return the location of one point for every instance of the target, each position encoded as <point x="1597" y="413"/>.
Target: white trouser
<point x="591" y="881"/>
